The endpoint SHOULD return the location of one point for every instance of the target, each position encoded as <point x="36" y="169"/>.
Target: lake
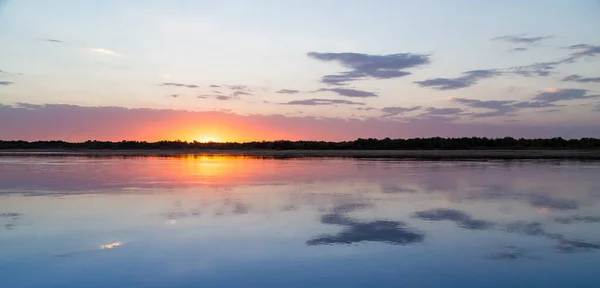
<point x="219" y="221"/>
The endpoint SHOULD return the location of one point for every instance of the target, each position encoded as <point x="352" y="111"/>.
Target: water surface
<point x="248" y="222"/>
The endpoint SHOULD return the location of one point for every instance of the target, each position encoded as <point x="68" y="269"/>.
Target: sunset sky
<point x="300" y="70"/>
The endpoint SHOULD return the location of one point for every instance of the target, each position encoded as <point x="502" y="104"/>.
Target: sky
<point x="299" y="70"/>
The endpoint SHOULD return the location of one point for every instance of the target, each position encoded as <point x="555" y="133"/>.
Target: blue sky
<point x="399" y="60"/>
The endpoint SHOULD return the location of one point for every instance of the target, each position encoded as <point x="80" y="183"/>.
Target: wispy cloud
<point x="468" y="79"/>
<point x="348" y="92"/>
<point x="287" y="91"/>
<point x="393" y="111"/>
<point x="238" y="87"/>
<point x="6" y="83"/>
<point x="105" y="52"/>
<point x="179" y="85"/>
<point x="443" y="111"/>
<point x="518" y="49"/>
<point x="581" y="79"/>
<point x="521" y="39"/>
<point x="53" y="40"/>
<point x="556" y="95"/>
<point x="222" y="97"/>
<point x="240" y="93"/>
<point x="582" y="51"/>
<point x="214" y="86"/>
<point x="365" y="66"/>
<point x="319" y="102"/>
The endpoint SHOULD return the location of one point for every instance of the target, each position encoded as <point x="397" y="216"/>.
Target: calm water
<point x="244" y="222"/>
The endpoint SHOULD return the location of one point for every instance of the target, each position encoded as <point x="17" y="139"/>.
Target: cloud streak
<point x="179" y="85"/>
<point x="467" y="79"/>
<point x="348" y="92"/>
<point x="319" y="102"/>
<point x="6" y="83"/>
<point x="581" y="79"/>
<point x="105" y="52"/>
<point x="365" y="66"/>
<point x="393" y="111"/>
<point x="521" y="39"/>
<point x="287" y="91"/>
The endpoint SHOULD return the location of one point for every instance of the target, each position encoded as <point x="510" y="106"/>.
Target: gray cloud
<point x="54" y="40"/>
<point x="577" y="219"/>
<point x="391" y="232"/>
<point x="222" y="97"/>
<point x="459" y="217"/>
<point x="563" y="95"/>
<point x="238" y="87"/>
<point x="582" y="51"/>
<point x="581" y="79"/>
<point x="214" y="86"/>
<point x="468" y="79"/>
<point x="240" y="93"/>
<point x="536" y="69"/>
<point x="178" y="85"/>
<point x="365" y="108"/>
<point x="543" y="201"/>
<point x="287" y="91"/>
<point x="443" y="111"/>
<point x="393" y="111"/>
<point x="364" y="66"/>
<point x="348" y="92"/>
<point x="518" y="49"/>
<point x="6" y="83"/>
<point x="521" y="39"/>
<point x="317" y="102"/>
<point x="501" y="107"/>
<point x="173" y="95"/>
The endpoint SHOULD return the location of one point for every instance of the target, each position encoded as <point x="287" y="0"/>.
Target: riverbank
<point x="397" y="154"/>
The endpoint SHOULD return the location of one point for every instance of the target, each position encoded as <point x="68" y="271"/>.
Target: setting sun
<point x="207" y="138"/>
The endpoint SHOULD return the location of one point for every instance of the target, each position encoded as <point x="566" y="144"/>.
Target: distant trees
<point x="435" y="143"/>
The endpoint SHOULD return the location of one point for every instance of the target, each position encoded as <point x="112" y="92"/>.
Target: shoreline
<point x="392" y="154"/>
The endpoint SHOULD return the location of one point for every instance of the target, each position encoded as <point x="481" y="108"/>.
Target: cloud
<point x="555" y="95"/>
<point x="521" y="39"/>
<point x="178" y="85"/>
<point x="240" y="93"/>
<point x="238" y="87"/>
<point x="468" y="79"/>
<point x="105" y="52"/>
<point x="582" y="51"/>
<point x="364" y="66"/>
<point x="173" y="95"/>
<point x="577" y="219"/>
<point x="501" y="107"/>
<point x="287" y="91"/>
<point x="580" y="79"/>
<point x="6" y="83"/>
<point x="543" y="201"/>
<point x="571" y="246"/>
<point x="393" y="111"/>
<point x="348" y="92"/>
<point x="214" y="86"/>
<point x="391" y="232"/>
<point x="317" y="102"/>
<point x="518" y="49"/>
<point x="459" y="217"/>
<point x="443" y="111"/>
<point x="53" y="40"/>
<point x="222" y="97"/>
<point x="366" y="108"/>
<point x="536" y="69"/>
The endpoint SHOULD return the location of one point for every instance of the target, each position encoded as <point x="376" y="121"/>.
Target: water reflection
<point x="200" y="221"/>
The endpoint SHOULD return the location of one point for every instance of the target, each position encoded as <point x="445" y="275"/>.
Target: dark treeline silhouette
<point x="436" y="143"/>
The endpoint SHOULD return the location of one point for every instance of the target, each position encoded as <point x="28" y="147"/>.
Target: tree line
<point x="435" y="143"/>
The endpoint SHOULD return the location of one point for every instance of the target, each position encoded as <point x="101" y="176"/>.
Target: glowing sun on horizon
<point x="208" y="138"/>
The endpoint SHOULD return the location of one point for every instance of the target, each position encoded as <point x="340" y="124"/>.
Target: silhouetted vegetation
<point x="436" y="143"/>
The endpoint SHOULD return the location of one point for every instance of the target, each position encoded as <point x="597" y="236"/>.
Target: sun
<point x="208" y="138"/>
